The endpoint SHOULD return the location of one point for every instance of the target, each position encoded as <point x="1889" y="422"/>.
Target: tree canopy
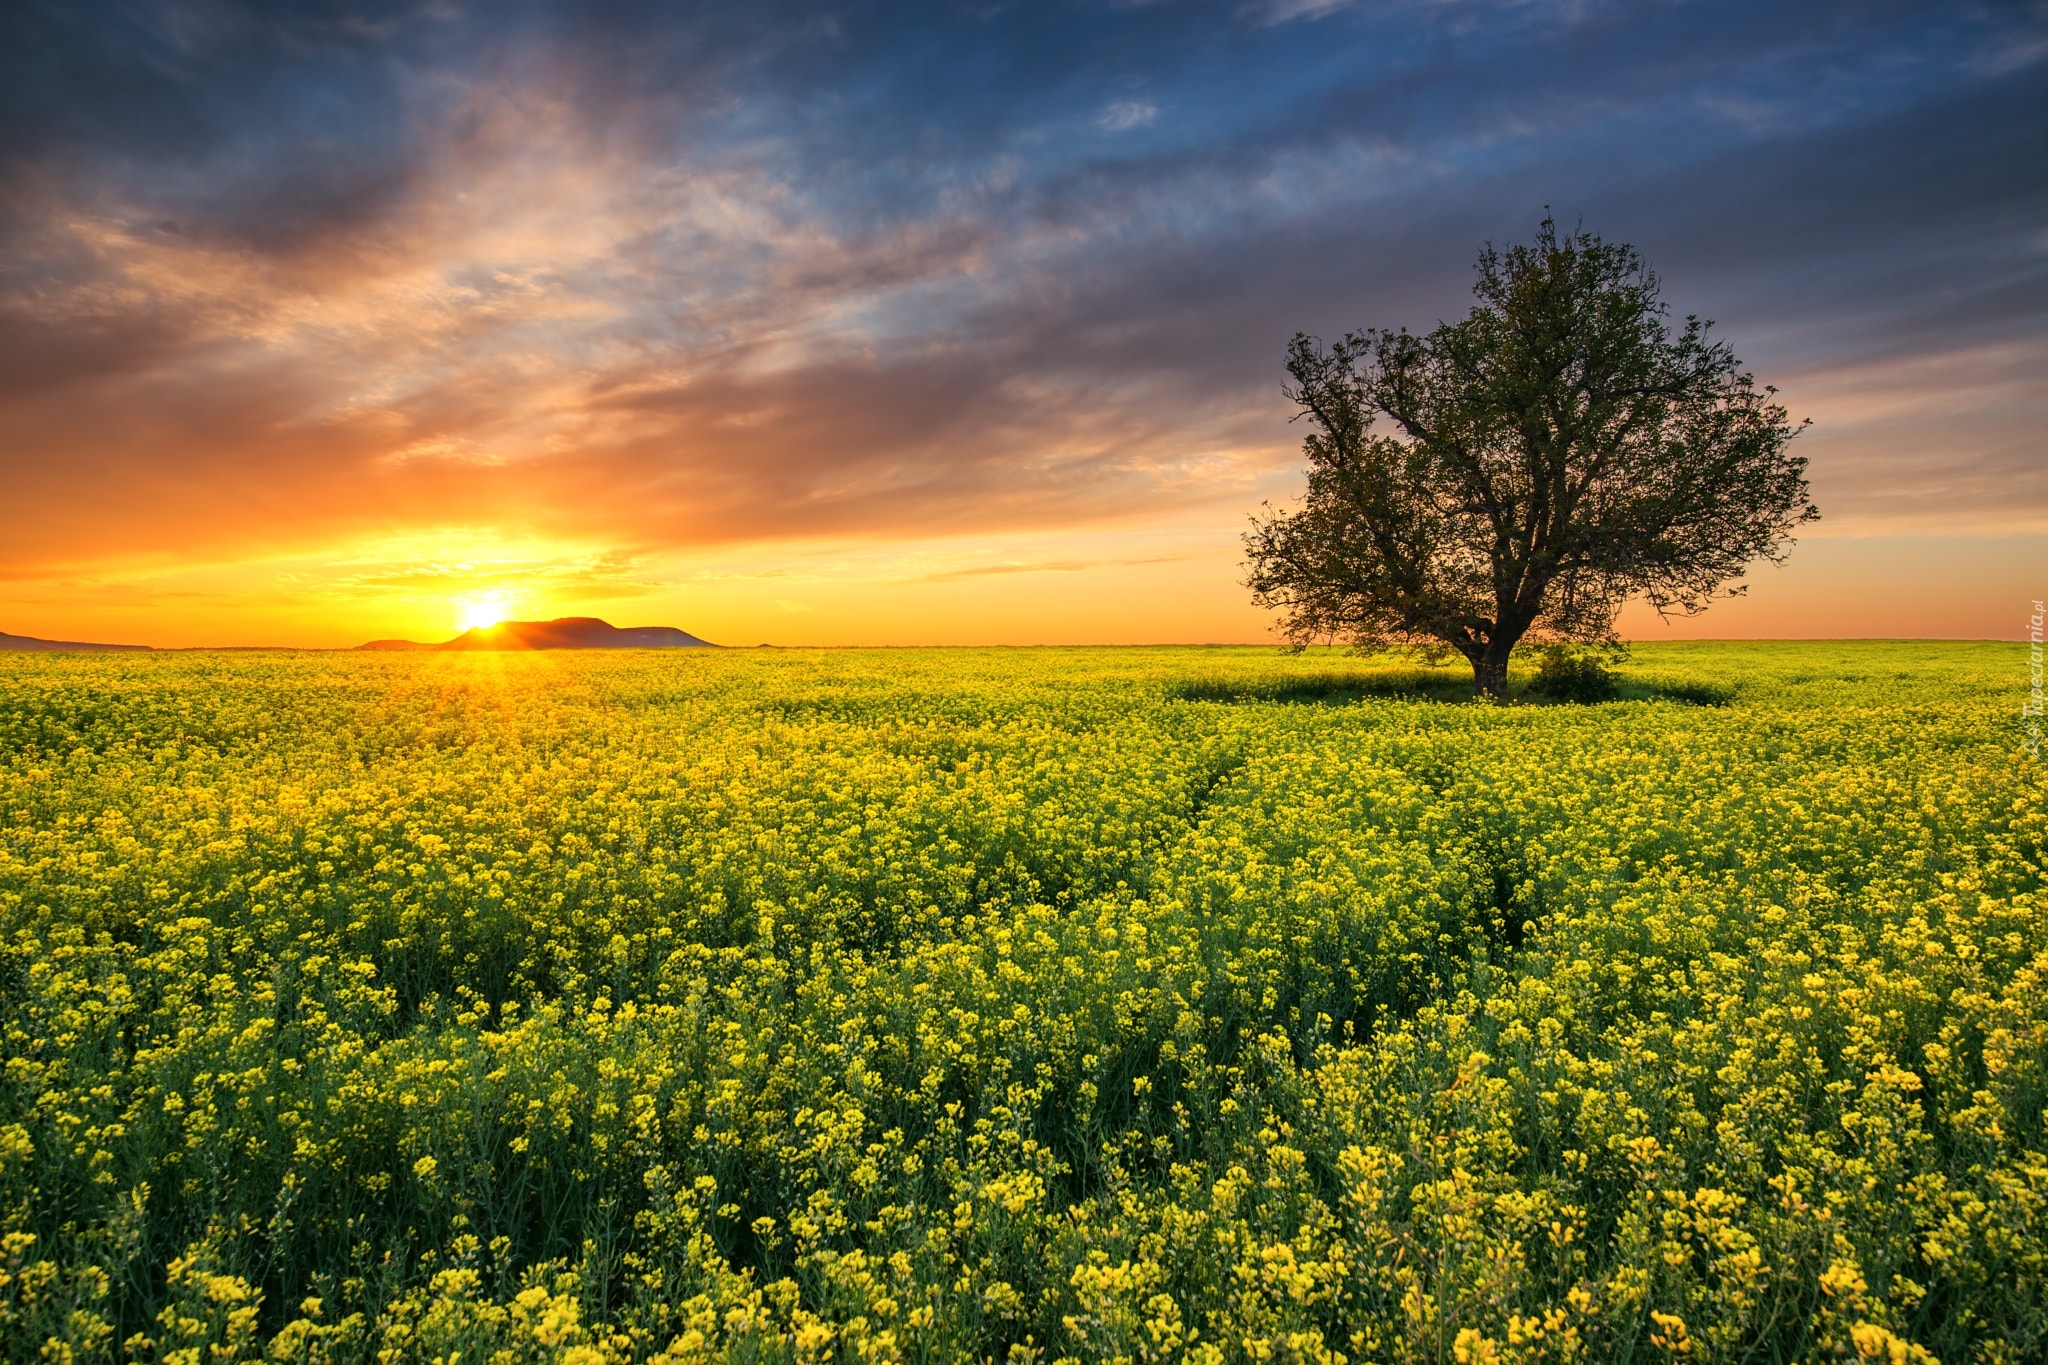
<point x="1561" y="449"/>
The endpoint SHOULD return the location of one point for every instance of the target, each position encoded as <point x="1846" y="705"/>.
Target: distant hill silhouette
<point x="29" y="643"/>
<point x="565" y="632"/>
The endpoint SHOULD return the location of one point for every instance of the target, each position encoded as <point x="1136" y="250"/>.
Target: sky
<point x="904" y="323"/>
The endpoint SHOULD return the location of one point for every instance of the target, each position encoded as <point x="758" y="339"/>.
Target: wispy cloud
<point x="1037" y="566"/>
<point x="1125" y="115"/>
<point x="1281" y="11"/>
<point x="983" y="570"/>
<point x="603" y="575"/>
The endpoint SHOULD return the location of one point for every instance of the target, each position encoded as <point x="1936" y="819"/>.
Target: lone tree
<point x="1557" y="452"/>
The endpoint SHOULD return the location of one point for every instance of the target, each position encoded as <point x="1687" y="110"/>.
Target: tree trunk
<point x="1490" y="672"/>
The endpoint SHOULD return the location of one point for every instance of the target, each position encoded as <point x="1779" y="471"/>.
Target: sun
<point x="482" y="611"/>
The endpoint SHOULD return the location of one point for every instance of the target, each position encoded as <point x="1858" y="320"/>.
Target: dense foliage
<point x="1565" y="675"/>
<point x="1018" y="1005"/>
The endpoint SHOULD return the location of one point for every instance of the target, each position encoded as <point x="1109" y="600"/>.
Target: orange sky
<point x="1177" y="584"/>
<point x="1120" y="541"/>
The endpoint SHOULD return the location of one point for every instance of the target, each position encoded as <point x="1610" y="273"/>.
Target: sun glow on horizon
<point x="481" y="612"/>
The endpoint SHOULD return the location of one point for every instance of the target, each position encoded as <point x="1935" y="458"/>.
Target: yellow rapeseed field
<point x="1020" y="1005"/>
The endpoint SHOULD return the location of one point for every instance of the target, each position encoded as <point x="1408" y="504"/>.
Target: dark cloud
<point x="651" y="278"/>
